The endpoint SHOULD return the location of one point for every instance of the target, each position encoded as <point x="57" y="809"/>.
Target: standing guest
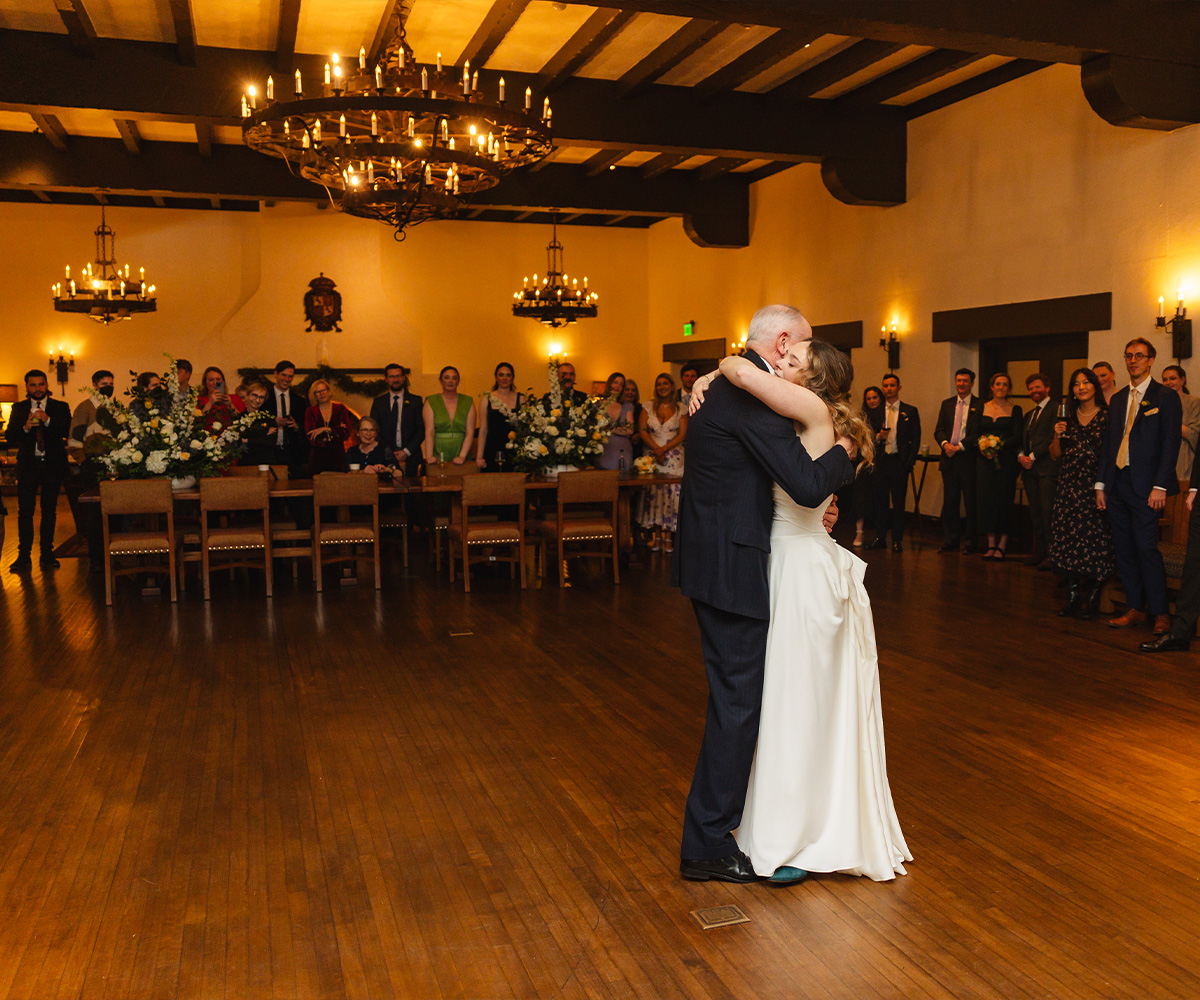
<point x="861" y="498"/>
<point x="566" y="381"/>
<point x="449" y="421"/>
<point x="1187" y="604"/>
<point x="286" y="408"/>
<point x="663" y="430"/>
<point x="898" y="442"/>
<point x="37" y="427"/>
<point x="618" y="449"/>
<point x="147" y="393"/>
<point x="1108" y="380"/>
<point x="1081" y="542"/>
<point x="1174" y="377"/>
<point x="218" y="405"/>
<point x="87" y="422"/>
<point x="497" y="419"/>
<point x="183" y="372"/>
<point x="397" y="414"/>
<point x="258" y="439"/>
<point x="996" y="469"/>
<point x="328" y="426"/>
<point x="687" y="378"/>
<point x="633" y="397"/>
<point x="88" y="415"/>
<point x="1040" y="468"/>
<point x="370" y="454"/>
<point x="957" y="433"/>
<point x="1137" y="474"/>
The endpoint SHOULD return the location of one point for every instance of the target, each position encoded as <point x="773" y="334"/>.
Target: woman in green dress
<point x="449" y="422"/>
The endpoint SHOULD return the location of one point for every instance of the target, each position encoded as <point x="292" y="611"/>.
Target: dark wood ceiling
<point x="662" y="107"/>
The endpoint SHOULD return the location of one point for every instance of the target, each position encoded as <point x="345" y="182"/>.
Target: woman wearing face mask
<point x="1081" y="542"/>
<point x="449" y="421"/>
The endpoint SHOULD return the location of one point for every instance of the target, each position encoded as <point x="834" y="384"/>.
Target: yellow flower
<point x="197" y="412"/>
<point x="556" y="412"/>
<point x="512" y="435"/>
<point x="596" y="436"/>
<point x="543" y="450"/>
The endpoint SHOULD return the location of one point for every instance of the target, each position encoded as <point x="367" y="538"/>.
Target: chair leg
<point x="404" y="543"/>
<point x="378" y="579"/>
<point x="521" y="561"/>
<point x="616" y="558"/>
<point x="171" y="573"/>
<point x="449" y="556"/>
<point x="270" y="570"/>
<point x="466" y="567"/>
<point x="562" y="567"/>
<point x="318" y="576"/>
<point x="204" y="570"/>
<point x="108" y="579"/>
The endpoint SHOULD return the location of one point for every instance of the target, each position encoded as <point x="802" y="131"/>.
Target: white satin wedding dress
<point x="819" y="797"/>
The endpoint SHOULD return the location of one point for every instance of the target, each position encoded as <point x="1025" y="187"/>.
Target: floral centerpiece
<point x="160" y="433"/>
<point x="555" y="431"/>
<point x="645" y="465"/>
<point x="989" y="447"/>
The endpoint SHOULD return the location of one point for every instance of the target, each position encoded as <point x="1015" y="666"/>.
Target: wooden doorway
<point x="1054" y="355"/>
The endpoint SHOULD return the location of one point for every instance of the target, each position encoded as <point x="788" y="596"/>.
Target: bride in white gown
<point x="818" y="798"/>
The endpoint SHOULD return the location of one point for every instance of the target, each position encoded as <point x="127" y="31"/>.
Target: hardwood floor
<point x="331" y="796"/>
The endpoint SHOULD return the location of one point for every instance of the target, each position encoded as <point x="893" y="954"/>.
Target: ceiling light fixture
<point x="105" y="292"/>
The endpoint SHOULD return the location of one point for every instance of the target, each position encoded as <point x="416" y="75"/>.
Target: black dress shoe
<point x="734" y="867"/>
<point x="1165" y="644"/>
<point x="48" y="562"/>
<point x="897" y="547"/>
<point x="23" y="564"/>
<point x="879" y="543"/>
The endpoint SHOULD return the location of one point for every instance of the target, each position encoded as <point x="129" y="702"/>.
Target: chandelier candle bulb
<point x="501" y="90"/>
<point x="72" y="288"/>
<point x="69" y="278"/>
<point x="253" y="98"/>
<point x="245" y="107"/>
<point x="337" y="79"/>
<point x="378" y="77"/>
<point x="528" y="98"/>
<point x="317" y="130"/>
<point x="299" y="87"/>
<point x="428" y="174"/>
<point x="362" y="59"/>
<point x="400" y="59"/>
<point x="439" y="62"/>
<point x="327" y="77"/>
<point x="342" y="125"/>
<point x="1160" y="300"/>
<point x="270" y="88"/>
<point x="475" y="80"/>
<point x="425" y="78"/>
<point x="374" y="123"/>
<point x="287" y="129"/>
<point x="466" y="83"/>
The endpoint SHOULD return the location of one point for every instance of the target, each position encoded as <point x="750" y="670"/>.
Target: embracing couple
<point x="792" y="776"/>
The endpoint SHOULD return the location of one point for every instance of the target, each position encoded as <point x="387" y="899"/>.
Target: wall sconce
<point x="61" y="368"/>
<point x="888" y="341"/>
<point x="556" y="354"/>
<point x="1181" y="328"/>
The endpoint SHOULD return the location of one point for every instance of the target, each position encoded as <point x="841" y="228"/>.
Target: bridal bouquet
<point x="556" y="431"/>
<point x="989" y="447"/>
<point x="159" y="434"/>
<point x="645" y="465"/>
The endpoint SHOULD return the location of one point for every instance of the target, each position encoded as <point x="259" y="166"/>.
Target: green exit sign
<point x="689" y="327"/>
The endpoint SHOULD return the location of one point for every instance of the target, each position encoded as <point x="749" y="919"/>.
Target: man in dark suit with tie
<point x="1187" y="604"/>
<point x="398" y="414"/>
<point x="566" y="379"/>
<point x="1040" y="470"/>
<point x="37" y="427"/>
<point x="286" y="407"/>
<point x="737" y="449"/>
<point x="897" y="444"/>
<point x="957" y="434"/>
<point x="1136" y="475"/>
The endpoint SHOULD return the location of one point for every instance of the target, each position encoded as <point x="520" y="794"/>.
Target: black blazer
<point x="943" y="430"/>
<point x="412" y="427"/>
<point x="908" y="434"/>
<point x="54" y="433"/>
<point x="737" y="449"/>
<point x="1153" y="440"/>
<point x="1035" y="441"/>
<point x="295" y="442"/>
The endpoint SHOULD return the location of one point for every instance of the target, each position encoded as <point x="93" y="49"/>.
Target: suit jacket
<point x="944" y="428"/>
<point x="1153" y="440"/>
<point x="295" y="442"/>
<point x="54" y="433"/>
<point x="908" y="435"/>
<point x="737" y="449"/>
<point x="412" y="427"/>
<point x="1036" y="438"/>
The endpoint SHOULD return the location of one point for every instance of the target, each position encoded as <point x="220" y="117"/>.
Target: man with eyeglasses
<point x="1137" y="474"/>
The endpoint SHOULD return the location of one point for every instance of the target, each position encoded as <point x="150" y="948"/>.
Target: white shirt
<point x="35" y="405"/>
<point x="397" y="400"/>
<point x="1136" y="394"/>
<point x="893" y="419"/>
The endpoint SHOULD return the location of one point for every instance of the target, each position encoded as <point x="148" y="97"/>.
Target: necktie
<point x="1033" y="415"/>
<point x="396" y="418"/>
<point x="40" y="434"/>
<point x="1123" y="451"/>
<point x="283" y="412"/>
<point x="956" y="434"/>
<point x="893" y="417"/>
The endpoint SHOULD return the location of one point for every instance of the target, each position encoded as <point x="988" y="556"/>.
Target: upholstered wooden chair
<point x="586" y="513"/>
<point x="231" y="495"/>
<point x="438" y="521"/>
<point x="497" y="489"/>
<point x="345" y="489"/>
<point x="133" y="497"/>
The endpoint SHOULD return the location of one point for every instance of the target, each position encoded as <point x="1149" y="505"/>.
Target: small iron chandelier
<point x="557" y="300"/>
<point x="105" y="292"/>
<point x="403" y="142"/>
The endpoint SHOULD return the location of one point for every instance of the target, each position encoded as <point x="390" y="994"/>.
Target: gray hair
<point x="770" y="321"/>
<point x="369" y="420"/>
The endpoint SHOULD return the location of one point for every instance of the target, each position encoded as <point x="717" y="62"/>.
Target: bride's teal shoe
<point x="788" y="876"/>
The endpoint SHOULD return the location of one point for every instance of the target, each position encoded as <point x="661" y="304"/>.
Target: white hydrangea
<point x="156" y="463"/>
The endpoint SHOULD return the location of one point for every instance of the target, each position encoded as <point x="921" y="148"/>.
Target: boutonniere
<point x="1145" y="403"/>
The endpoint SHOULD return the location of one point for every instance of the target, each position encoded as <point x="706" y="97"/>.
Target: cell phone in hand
<point x="220" y="388"/>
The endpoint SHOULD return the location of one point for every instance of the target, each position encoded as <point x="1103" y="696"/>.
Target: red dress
<point x="223" y="413"/>
<point x="328" y="452"/>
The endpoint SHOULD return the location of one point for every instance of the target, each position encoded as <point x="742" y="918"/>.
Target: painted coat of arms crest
<point x="323" y="305"/>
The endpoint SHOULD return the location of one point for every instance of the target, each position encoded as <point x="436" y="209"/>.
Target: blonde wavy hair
<point x="830" y="375"/>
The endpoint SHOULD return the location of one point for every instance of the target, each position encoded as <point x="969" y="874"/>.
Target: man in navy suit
<point x="897" y="444"/>
<point x="37" y="427"/>
<point x="1136" y="475"/>
<point x="737" y="449"/>
<point x="957" y="433"/>
<point x="398" y="414"/>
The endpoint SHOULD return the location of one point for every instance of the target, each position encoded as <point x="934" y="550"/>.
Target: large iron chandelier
<point x="404" y="142"/>
<point x="557" y="299"/>
<point x="105" y="292"/>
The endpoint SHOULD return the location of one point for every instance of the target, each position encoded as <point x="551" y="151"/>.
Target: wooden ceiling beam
<point x="501" y="17"/>
<point x="718" y="166"/>
<point x="52" y="129"/>
<point x="762" y="57"/>
<point x="80" y="29"/>
<point x="589" y="39"/>
<point x="129" y="135"/>
<point x="204" y="136"/>
<point x="661" y="164"/>
<point x="383" y="32"/>
<point x="285" y="37"/>
<point x="602" y="160"/>
<point x="43" y="196"/>
<point x="546" y="161"/>
<point x="667" y="55"/>
<point x="158" y="200"/>
<point x="616" y="220"/>
<point x="969" y="88"/>
<point x="833" y="70"/>
<point x="185" y="31"/>
<point x="917" y="73"/>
